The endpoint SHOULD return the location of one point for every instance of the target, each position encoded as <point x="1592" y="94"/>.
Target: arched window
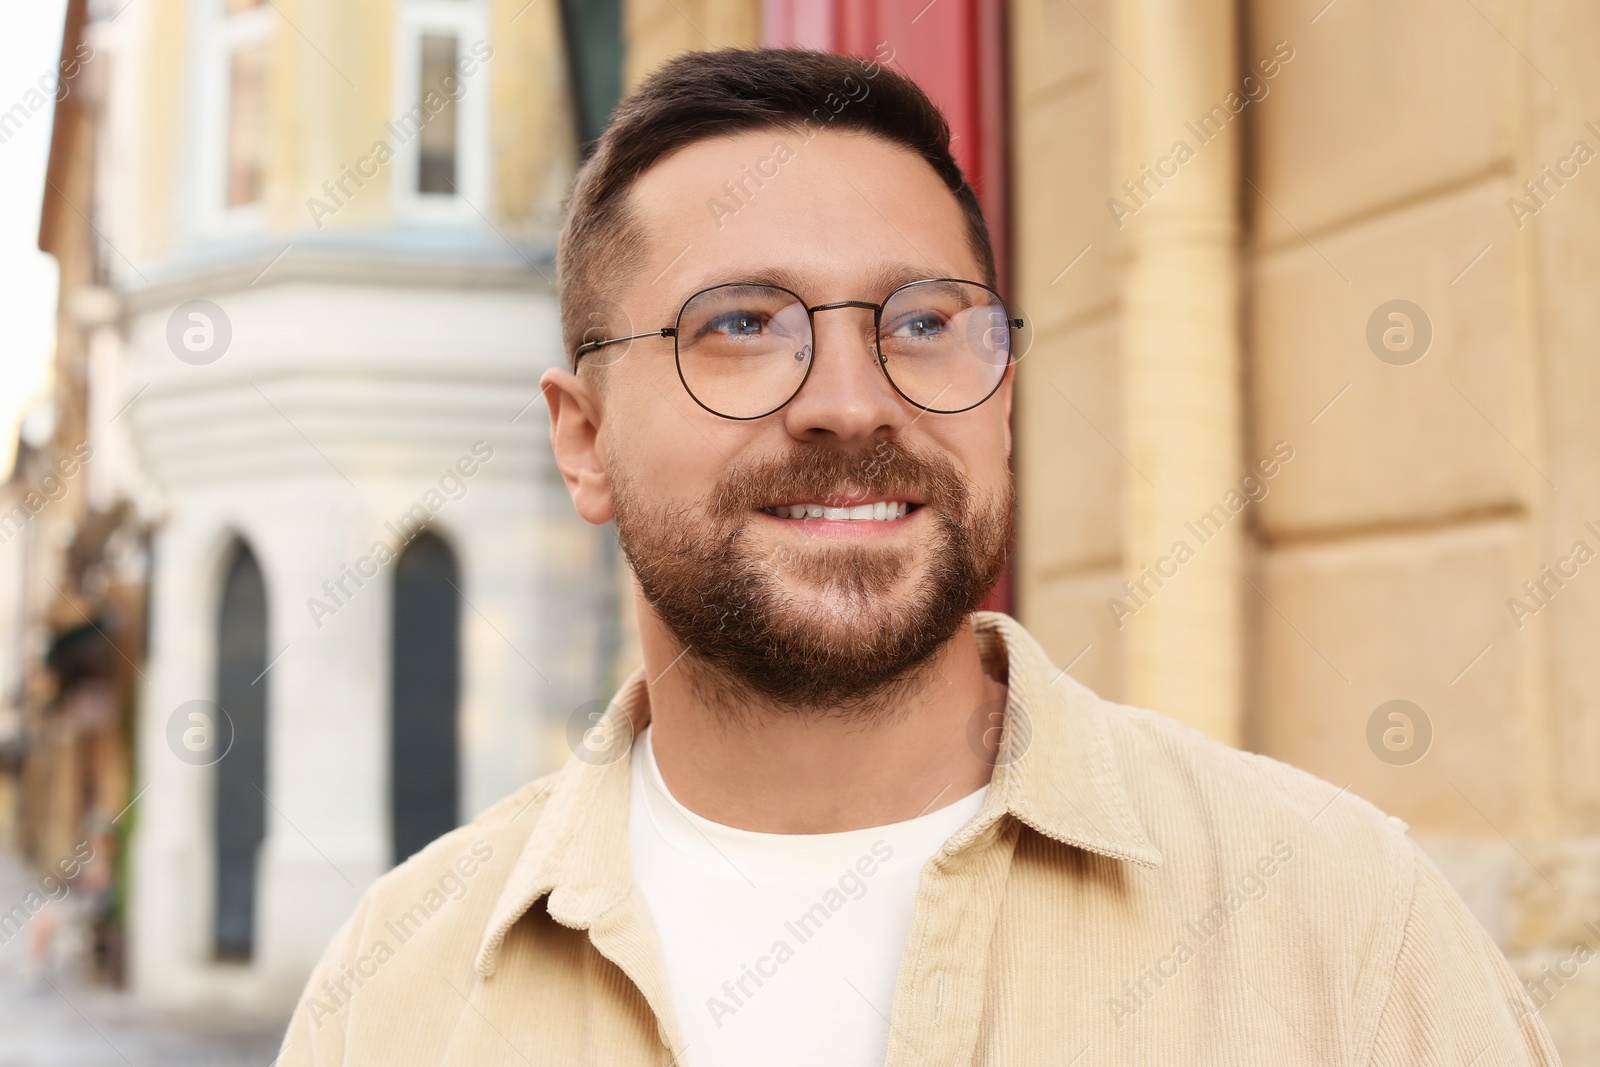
<point x="424" y="690"/>
<point x="241" y="775"/>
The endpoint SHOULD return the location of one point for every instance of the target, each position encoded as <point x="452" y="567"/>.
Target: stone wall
<point x="1431" y="477"/>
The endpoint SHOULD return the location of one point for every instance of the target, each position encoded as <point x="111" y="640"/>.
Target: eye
<point x="918" y="324"/>
<point x="734" y="324"/>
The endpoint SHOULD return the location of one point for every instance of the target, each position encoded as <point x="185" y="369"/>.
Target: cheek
<point x="978" y="444"/>
<point x="661" y="445"/>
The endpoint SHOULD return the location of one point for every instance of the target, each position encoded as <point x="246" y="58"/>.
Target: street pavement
<point x="56" y="1019"/>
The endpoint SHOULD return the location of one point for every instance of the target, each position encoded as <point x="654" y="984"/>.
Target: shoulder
<point x="1252" y="860"/>
<point x="428" y="914"/>
<point x="1214" y="809"/>
<point x="1166" y="762"/>
<point x="1341" y="882"/>
<point x="456" y="877"/>
<point x="1212" y="812"/>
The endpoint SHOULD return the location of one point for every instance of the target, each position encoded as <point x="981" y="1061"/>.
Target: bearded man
<point x="840" y="816"/>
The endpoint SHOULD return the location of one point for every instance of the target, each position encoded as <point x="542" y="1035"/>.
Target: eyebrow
<point x="881" y="282"/>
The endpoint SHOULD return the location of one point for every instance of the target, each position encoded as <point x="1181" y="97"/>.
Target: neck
<point x="774" y="770"/>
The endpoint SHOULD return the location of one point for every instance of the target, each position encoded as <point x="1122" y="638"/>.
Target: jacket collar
<point x="1056" y="772"/>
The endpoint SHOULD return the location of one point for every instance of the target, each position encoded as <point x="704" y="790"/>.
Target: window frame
<point x="467" y="21"/>
<point x="224" y="35"/>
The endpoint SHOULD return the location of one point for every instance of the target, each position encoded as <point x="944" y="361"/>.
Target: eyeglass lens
<point x="744" y="350"/>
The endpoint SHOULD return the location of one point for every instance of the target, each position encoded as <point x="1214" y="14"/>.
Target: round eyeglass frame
<point x="1013" y="323"/>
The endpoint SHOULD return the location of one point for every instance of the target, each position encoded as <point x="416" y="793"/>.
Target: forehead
<point x="834" y="210"/>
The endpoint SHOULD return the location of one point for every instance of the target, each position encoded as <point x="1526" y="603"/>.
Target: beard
<point x="849" y="637"/>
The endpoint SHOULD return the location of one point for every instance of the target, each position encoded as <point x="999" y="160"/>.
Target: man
<point x="839" y="817"/>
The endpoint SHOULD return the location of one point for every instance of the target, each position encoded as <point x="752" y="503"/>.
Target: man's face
<point x="806" y="612"/>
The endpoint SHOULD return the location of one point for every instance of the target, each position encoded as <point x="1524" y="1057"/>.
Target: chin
<point x="837" y="608"/>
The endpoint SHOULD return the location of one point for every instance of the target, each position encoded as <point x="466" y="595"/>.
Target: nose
<point x="846" y="398"/>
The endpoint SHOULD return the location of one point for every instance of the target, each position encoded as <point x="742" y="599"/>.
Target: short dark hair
<point x="700" y="95"/>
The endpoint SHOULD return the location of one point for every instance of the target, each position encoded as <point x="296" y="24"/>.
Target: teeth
<point x="878" y="511"/>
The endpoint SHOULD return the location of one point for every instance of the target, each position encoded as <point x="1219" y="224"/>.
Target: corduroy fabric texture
<point x="1131" y="892"/>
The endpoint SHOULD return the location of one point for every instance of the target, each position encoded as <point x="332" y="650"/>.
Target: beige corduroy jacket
<point x="1130" y="893"/>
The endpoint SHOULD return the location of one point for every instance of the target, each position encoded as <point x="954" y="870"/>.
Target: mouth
<point x="835" y="509"/>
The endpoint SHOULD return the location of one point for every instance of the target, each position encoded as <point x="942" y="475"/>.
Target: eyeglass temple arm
<point x="589" y="346"/>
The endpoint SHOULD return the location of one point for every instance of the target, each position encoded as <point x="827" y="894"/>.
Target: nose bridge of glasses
<point x="846" y="390"/>
<point x="874" y="308"/>
<point x="868" y="326"/>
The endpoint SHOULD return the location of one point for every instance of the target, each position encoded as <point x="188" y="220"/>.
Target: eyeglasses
<point x="744" y="349"/>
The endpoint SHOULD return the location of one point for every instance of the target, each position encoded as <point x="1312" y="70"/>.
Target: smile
<point x="872" y="511"/>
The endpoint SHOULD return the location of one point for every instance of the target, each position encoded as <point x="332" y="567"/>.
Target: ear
<point x="575" y="435"/>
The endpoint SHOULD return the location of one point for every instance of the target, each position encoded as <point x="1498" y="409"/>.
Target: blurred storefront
<point x="1303" y="440"/>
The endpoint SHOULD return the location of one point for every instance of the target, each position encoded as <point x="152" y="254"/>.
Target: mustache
<point x="885" y="470"/>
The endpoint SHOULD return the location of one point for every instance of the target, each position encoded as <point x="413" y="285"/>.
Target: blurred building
<point x="1301" y="434"/>
<point x="306" y="288"/>
<point x="71" y="582"/>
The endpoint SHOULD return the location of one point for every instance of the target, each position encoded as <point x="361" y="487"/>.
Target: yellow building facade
<point x="1333" y="262"/>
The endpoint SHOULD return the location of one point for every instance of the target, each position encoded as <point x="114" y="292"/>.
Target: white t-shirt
<point x="780" y="949"/>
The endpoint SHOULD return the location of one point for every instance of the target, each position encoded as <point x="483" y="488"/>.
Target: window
<point x="239" y="819"/>
<point x="436" y="172"/>
<point x="247" y="124"/>
<point x="441" y="109"/>
<point x="425" y="673"/>
<point x="234" y="109"/>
